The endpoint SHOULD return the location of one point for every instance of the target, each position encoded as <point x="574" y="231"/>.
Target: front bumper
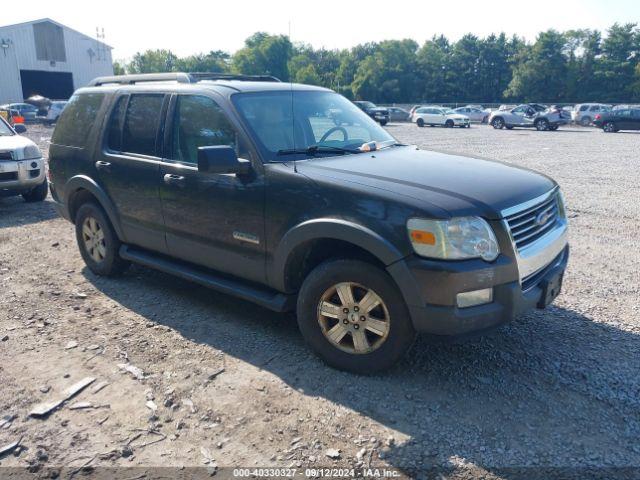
<point x="21" y="176"/>
<point x="439" y="315"/>
<point x="461" y="122"/>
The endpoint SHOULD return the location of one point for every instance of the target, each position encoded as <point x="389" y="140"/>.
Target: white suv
<point x="22" y="169"/>
<point x="584" y="113"/>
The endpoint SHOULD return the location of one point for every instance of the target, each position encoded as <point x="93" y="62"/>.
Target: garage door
<point x="54" y="85"/>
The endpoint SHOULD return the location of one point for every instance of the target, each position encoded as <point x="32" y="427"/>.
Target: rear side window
<point x="584" y="108"/>
<point x="76" y="120"/>
<point x="140" y="128"/>
<point x="114" y="129"/>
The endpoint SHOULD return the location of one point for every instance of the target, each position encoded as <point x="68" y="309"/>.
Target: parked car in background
<point x="22" y="169"/>
<point x="584" y="113"/>
<point x="444" y="117"/>
<point x="26" y="111"/>
<point x="620" y="119"/>
<point x="12" y="117"/>
<point x="528" y="116"/>
<point x="475" y="113"/>
<point x="506" y="106"/>
<point x="379" y="114"/>
<point x="369" y="241"/>
<point x="56" y="108"/>
<point x="397" y="114"/>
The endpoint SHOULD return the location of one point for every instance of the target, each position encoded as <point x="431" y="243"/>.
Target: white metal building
<point x="46" y="58"/>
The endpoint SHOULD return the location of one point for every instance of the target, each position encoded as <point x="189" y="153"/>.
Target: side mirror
<point x="20" y="128"/>
<point x="221" y="159"/>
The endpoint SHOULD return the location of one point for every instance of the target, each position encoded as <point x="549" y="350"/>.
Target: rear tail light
<point x="598" y="116"/>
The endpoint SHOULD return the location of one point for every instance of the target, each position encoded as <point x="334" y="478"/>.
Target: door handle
<point x="178" y="180"/>
<point x="105" y="166"/>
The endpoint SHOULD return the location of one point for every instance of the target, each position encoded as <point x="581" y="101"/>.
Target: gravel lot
<point x="558" y="388"/>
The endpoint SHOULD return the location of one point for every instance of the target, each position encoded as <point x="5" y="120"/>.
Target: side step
<point x="278" y="302"/>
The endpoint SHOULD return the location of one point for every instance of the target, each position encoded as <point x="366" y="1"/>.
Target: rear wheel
<point x="38" y="194"/>
<point x="610" y="127"/>
<point x="420" y="122"/>
<point x="97" y="240"/>
<point x="448" y="124"/>
<point x="383" y="122"/>
<point x="354" y="317"/>
<point x="585" y="121"/>
<point x="498" y="123"/>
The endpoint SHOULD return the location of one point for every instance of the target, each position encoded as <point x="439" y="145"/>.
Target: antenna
<point x="293" y="119"/>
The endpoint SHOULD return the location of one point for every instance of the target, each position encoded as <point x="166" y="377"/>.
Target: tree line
<point x="571" y="66"/>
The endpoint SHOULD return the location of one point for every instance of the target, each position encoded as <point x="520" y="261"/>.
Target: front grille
<point x="530" y="224"/>
<point x="6" y="156"/>
<point x="8" y="176"/>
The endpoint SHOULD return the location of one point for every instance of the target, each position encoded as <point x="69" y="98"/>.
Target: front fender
<point x="329" y="228"/>
<point x="79" y="182"/>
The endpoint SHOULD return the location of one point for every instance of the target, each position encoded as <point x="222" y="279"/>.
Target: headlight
<point x="455" y="239"/>
<point x="31" y="152"/>
<point x="562" y="213"/>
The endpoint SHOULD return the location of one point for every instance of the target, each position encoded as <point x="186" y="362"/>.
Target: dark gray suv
<point x="247" y="185"/>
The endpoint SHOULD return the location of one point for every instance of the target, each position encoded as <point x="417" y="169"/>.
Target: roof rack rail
<point x="179" y="77"/>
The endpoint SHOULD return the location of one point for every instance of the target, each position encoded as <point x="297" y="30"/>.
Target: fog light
<point x="475" y="297"/>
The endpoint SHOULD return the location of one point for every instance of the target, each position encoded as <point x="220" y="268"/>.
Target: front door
<point x="214" y="220"/>
<point x="128" y="167"/>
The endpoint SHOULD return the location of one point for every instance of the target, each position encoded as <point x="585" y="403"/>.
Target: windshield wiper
<point x="315" y="149"/>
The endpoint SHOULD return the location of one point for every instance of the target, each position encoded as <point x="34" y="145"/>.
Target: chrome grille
<point x="530" y="224"/>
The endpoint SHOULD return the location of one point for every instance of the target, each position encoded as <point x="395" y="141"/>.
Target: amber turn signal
<point x="420" y="236"/>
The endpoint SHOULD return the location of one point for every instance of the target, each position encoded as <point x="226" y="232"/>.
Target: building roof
<point x="40" y="20"/>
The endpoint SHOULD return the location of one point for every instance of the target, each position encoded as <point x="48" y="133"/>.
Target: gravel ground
<point x="557" y="388"/>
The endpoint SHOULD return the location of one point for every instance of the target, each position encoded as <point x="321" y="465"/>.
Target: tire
<point x="498" y="123"/>
<point x="585" y="121"/>
<point x="383" y="122"/>
<point x="104" y="259"/>
<point x="395" y="334"/>
<point x="542" y="125"/>
<point x="609" y="127"/>
<point x="420" y="122"/>
<point x="38" y="194"/>
<point x="448" y="124"/>
<point x="553" y="128"/>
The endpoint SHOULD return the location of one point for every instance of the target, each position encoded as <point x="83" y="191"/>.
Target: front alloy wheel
<point x="542" y="125"/>
<point x="353" y="318"/>
<point x="498" y="124"/>
<point x="609" y="127"/>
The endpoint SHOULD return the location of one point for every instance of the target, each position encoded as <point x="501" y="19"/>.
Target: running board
<point x="278" y="302"/>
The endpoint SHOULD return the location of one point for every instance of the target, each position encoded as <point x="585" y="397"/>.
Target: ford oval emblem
<point x="542" y="218"/>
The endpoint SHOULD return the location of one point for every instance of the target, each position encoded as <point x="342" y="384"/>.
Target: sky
<point x="188" y="27"/>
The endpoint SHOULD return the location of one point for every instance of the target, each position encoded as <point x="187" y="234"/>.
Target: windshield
<point x="5" y="130"/>
<point x="299" y="120"/>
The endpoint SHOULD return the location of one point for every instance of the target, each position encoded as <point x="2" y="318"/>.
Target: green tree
<point x="540" y="73"/>
<point x="153" y="61"/>
<point x="215" y="61"/>
<point x="264" y="54"/>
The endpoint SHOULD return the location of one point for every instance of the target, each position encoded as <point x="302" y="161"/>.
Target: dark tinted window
<point x="76" y="120"/>
<point x="141" y="122"/>
<point x="199" y="122"/>
<point x="114" y="129"/>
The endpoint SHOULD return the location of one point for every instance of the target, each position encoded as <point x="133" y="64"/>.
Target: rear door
<point x="128" y="166"/>
<point x="624" y="119"/>
<point x="214" y="220"/>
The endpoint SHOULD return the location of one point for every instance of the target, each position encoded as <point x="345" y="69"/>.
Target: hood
<point x="456" y="116"/>
<point x="456" y="184"/>
<point x="13" y="143"/>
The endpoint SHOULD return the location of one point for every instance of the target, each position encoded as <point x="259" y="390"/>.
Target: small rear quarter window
<point x="76" y="120"/>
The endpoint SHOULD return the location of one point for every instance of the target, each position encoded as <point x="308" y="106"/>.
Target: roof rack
<point x="179" y="77"/>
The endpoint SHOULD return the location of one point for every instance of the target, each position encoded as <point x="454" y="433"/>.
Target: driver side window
<point x="199" y="121"/>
